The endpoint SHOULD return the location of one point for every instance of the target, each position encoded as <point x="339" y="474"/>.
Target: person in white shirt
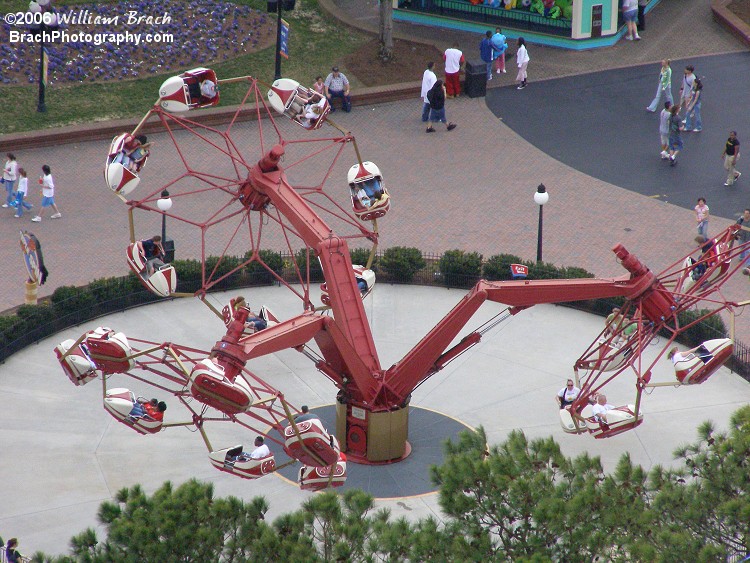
<point x="454" y="58"/>
<point x="208" y="89"/>
<point x="522" y="60"/>
<point x="23" y="183"/>
<point x="48" y="194"/>
<point x="601" y="407"/>
<point x="10" y="175"/>
<point x="630" y="15"/>
<point x="428" y="81"/>
<point x="567" y="394"/>
<point x="261" y="450"/>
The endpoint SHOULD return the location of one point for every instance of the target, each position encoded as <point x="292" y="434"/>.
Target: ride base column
<point x="373" y="437"/>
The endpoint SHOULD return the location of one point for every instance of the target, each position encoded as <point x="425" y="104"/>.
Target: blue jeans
<point x="9" y="185"/>
<point x="346" y="100"/>
<point x="703" y="228"/>
<point x="694" y="115"/>
<point x="489" y="69"/>
<point x="437" y="115"/>
<point x="426" y="112"/>
<point x="20" y="204"/>
<point x="654" y="106"/>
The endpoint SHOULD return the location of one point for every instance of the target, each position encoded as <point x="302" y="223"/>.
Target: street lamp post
<point x="164" y="203"/>
<point x="276" y="6"/>
<point x="47" y="23"/>
<point x="540" y="198"/>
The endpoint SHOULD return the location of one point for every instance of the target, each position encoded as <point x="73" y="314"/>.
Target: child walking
<point x="48" y="194"/>
<point x="23" y="186"/>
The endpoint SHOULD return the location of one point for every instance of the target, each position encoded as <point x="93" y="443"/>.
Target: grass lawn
<point x="316" y="43"/>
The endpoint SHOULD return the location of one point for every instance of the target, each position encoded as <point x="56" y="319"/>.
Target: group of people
<point x="599" y="405"/>
<point x="153" y="409"/>
<point x="134" y="152"/>
<point x="672" y="125"/>
<point x="434" y="93"/>
<point x="492" y="51"/>
<point x="16" y="184"/>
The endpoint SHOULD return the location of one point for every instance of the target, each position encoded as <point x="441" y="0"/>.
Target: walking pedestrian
<point x="10" y="174"/>
<point x="499" y="46"/>
<point x="701" y="216"/>
<point x="48" y="194"/>
<point x="686" y="88"/>
<point x="693" y="112"/>
<point x="664" y="88"/>
<point x="436" y="96"/>
<point x="522" y="60"/>
<point x="454" y="58"/>
<point x="485" y="52"/>
<point x="23" y="186"/>
<point x="428" y="80"/>
<point x="664" y="130"/>
<point x="675" y="138"/>
<point x="630" y="15"/>
<point x="731" y="155"/>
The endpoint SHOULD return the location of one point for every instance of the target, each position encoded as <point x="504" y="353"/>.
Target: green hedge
<point x="69" y="306"/>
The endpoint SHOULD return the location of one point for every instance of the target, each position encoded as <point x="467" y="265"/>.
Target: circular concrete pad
<point x="427" y="432"/>
<point x="65" y="455"/>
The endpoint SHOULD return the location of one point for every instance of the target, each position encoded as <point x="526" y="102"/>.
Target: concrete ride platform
<point x="63" y="454"/>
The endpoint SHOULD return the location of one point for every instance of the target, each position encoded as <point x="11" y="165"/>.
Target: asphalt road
<point x="597" y="123"/>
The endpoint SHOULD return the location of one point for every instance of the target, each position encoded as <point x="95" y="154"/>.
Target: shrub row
<point x="70" y="306"/>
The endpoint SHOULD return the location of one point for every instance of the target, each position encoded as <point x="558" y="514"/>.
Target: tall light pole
<point x="48" y="22"/>
<point x="164" y="203"/>
<point x="540" y="198"/>
<point x="276" y="6"/>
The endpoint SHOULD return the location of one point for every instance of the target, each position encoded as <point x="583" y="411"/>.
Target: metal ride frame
<point x="372" y="401"/>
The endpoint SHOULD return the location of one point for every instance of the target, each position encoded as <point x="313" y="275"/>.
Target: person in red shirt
<point x="453" y="58"/>
<point x="155" y="409"/>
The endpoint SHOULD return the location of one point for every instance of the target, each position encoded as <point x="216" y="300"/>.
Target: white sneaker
<point x="56" y="216"/>
<point x="5" y="205"/>
<point x="628" y="38"/>
<point x="498" y="71"/>
<point x="37" y="219"/>
<point x="489" y="78"/>
<point x="504" y="71"/>
<point x="737" y="176"/>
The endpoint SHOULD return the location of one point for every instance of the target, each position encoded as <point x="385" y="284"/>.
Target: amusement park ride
<point x="255" y="197"/>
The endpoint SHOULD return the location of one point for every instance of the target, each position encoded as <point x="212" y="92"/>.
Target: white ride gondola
<point x="313" y="446"/>
<point x="370" y="199"/>
<point x="119" y="402"/>
<point x="697" y="367"/>
<point x="210" y="386"/>
<point x="163" y="282"/>
<point x="365" y="281"/>
<point x="618" y="420"/>
<point x="304" y="106"/>
<point x="232" y="461"/>
<point x="109" y="350"/>
<point x="712" y="265"/>
<point x="319" y="478"/>
<point x="121" y="171"/>
<point x="610" y="355"/>
<point x="189" y="91"/>
<point x="77" y="365"/>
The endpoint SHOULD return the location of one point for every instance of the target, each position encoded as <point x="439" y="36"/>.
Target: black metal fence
<point x="465" y="10"/>
<point x="70" y="306"/>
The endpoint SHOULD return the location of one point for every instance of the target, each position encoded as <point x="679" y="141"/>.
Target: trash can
<point x="168" y="245"/>
<point x="475" y="82"/>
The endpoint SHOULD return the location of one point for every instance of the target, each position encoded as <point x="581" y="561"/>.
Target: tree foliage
<point x="520" y="501"/>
